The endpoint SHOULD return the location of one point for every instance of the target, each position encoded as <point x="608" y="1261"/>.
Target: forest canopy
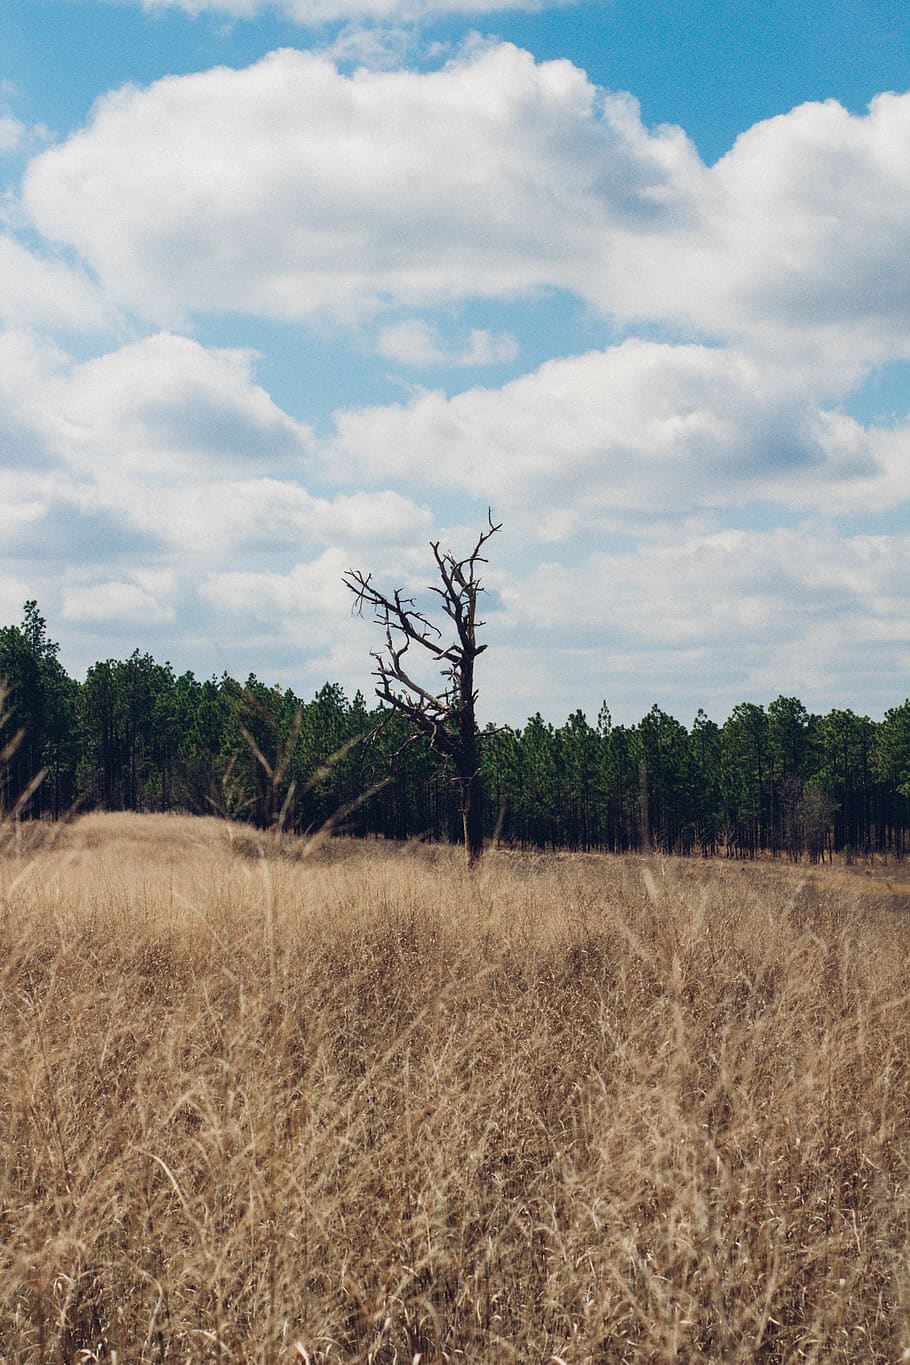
<point x="134" y="735"/>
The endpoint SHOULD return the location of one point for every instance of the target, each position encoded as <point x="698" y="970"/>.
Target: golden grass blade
<point x="366" y="1107"/>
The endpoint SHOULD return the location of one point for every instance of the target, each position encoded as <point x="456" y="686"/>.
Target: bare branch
<point x="446" y="719"/>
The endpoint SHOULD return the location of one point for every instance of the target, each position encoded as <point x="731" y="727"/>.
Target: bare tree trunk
<point x="468" y="757"/>
<point x="471" y="790"/>
<point x="447" y="717"/>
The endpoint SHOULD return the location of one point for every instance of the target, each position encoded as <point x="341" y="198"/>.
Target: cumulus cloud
<point x="417" y="343"/>
<point x="308" y="587"/>
<point x="27" y="365"/>
<point x="702" y="620"/>
<point x="169" y="405"/>
<point x="115" y="601"/>
<point x="39" y="292"/>
<point x="488" y="348"/>
<point x="801" y="228"/>
<point x="15" y="590"/>
<point x="699" y="589"/>
<point x="135" y="520"/>
<point x="312" y="12"/>
<point x="167" y="458"/>
<point x="708" y="620"/>
<point x="164" y="447"/>
<point x="290" y="190"/>
<point x="618" y="437"/>
<point x="12" y="133"/>
<point x="161" y="448"/>
<point x="377" y="46"/>
<point x="489" y="177"/>
<point x="307" y="600"/>
<point x="271" y="517"/>
<point x="412" y="342"/>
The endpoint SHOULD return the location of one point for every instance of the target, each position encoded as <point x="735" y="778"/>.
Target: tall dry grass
<point x="364" y="1106"/>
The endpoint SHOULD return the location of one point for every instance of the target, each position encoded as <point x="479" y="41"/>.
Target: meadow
<point x="270" y="1101"/>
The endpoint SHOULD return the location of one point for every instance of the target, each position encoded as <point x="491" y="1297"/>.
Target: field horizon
<point x="272" y="1100"/>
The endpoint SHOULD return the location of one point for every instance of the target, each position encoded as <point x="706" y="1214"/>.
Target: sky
<point x="289" y="287"/>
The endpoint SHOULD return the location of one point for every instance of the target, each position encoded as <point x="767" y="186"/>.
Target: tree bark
<point x="447" y="718"/>
<point x="471" y="789"/>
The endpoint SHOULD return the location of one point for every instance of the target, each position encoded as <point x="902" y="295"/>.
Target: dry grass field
<point x="360" y="1105"/>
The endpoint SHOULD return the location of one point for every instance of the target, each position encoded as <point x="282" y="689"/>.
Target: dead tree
<point x="446" y="718"/>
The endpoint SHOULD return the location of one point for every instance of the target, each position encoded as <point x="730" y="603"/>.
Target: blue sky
<point x="291" y="286"/>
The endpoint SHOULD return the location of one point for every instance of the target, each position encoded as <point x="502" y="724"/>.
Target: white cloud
<point x="314" y="587"/>
<point x="133" y="520"/>
<point x="226" y="519"/>
<point x="165" y="448"/>
<point x="706" y="620"/>
<point x="38" y="292"/>
<point x="312" y="12"/>
<point x="412" y="342"/>
<point x="235" y="9"/>
<point x="175" y="481"/>
<point x="290" y="190"/>
<point x="166" y="404"/>
<point x="364" y="43"/>
<point x="304" y="608"/>
<point x="617" y="437"/>
<point x="712" y="589"/>
<point x="801" y="229"/>
<point x="15" y="590"/>
<point x="307" y="601"/>
<point x="417" y="343"/>
<point x="29" y="366"/>
<point x="12" y="133"/>
<point x="697" y="620"/>
<point x="488" y="348"/>
<point x="113" y="601"/>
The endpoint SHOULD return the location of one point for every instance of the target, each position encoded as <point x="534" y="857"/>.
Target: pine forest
<point x="136" y="736"/>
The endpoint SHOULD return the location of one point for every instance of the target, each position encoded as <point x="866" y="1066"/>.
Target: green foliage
<point x="129" y="721"/>
<point x="665" y="783"/>
<point x="891" y="755"/>
<point x="41" y="765"/>
<point x="135" y="736"/>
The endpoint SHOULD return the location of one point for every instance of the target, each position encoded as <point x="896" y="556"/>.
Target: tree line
<point x="135" y="735"/>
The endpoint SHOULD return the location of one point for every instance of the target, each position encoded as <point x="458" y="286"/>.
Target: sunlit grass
<point x="365" y="1106"/>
